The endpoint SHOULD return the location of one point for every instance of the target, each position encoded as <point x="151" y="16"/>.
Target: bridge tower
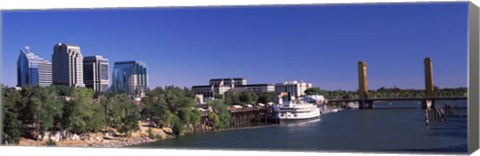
<point x="429" y="87"/>
<point x="363" y="86"/>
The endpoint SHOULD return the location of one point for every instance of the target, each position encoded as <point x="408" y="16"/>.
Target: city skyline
<point x="262" y="44"/>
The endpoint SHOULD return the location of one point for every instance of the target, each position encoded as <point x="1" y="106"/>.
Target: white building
<point x="257" y="88"/>
<point x="230" y="82"/>
<point x="237" y="85"/>
<point x="294" y="88"/>
<point x="218" y="86"/>
<point x="210" y="91"/>
<point x="199" y="99"/>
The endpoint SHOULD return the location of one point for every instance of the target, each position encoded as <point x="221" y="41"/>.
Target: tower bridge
<point x="367" y="103"/>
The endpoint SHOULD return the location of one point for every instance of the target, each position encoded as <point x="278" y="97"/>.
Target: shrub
<point x="150" y="134"/>
<point x="50" y="142"/>
<point x="177" y="127"/>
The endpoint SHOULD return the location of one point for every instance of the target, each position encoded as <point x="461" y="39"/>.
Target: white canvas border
<point x="64" y="4"/>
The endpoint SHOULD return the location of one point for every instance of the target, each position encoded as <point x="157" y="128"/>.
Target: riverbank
<point x="146" y="134"/>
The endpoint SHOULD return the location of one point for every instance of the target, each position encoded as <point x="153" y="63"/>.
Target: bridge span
<point x="399" y="99"/>
<point x="365" y="102"/>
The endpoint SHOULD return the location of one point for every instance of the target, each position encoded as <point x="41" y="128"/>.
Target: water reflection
<point x="297" y="124"/>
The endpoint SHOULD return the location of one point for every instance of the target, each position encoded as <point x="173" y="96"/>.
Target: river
<point x="390" y="127"/>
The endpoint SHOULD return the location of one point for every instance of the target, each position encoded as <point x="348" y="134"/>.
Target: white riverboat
<point x="296" y="111"/>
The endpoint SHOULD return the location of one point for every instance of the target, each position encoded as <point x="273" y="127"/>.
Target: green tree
<point x="130" y="119"/>
<point x="314" y="91"/>
<point x="222" y="116"/>
<point x="43" y="108"/>
<point x="10" y="116"/>
<point x="248" y="97"/>
<point x="190" y="116"/>
<point x="83" y="113"/>
<point x="78" y="111"/>
<point x="124" y="115"/>
<point x="156" y="107"/>
<point x="177" y="126"/>
<point x="214" y="119"/>
<point x="176" y="98"/>
<point x="232" y="98"/>
<point x="163" y="106"/>
<point x="265" y="97"/>
<point x="97" y="116"/>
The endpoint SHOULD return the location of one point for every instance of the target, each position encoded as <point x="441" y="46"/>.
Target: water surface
<point x="392" y="127"/>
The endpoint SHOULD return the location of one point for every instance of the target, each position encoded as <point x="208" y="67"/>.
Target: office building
<point x="95" y="73"/>
<point x="67" y="65"/>
<point x="257" y="88"/>
<point x="33" y="70"/>
<point x="219" y="86"/>
<point x="230" y="82"/>
<point x="204" y="90"/>
<point x="294" y="88"/>
<point x="130" y="77"/>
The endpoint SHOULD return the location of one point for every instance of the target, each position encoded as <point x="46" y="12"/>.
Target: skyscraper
<point x="130" y="77"/>
<point x="67" y="65"/>
<point x="33" y="70"/>
<point x="95" y="73"/>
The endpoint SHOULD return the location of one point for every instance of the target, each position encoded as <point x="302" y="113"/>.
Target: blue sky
<point x="320" y="44"/>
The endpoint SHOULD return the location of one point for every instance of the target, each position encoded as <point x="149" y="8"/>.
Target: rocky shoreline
<point x="108" y="139"/>
<point x="129" y="142"/>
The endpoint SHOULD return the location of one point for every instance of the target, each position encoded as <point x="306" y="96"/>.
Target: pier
<point x="247" y="117"/>
<point x="241" y="117"/>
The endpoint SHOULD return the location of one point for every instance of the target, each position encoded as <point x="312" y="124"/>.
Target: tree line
<point x="246" y="97"/>
<point x="384" y="92"/>
<point x="32" y="111"/>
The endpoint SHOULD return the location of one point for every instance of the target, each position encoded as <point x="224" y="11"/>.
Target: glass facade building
<point x="95" y="73"/>
<point x="33" y="70"/>
<point x="130" y="77"/>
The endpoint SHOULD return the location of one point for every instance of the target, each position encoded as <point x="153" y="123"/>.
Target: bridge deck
<point x="399" y="99"/>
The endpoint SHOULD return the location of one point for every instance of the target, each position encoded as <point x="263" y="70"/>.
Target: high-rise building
<point x="33" y="70"/>
<point x="67" y="65"/>
<point x="130" y="77"/>
<point x="95" y="73"/>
